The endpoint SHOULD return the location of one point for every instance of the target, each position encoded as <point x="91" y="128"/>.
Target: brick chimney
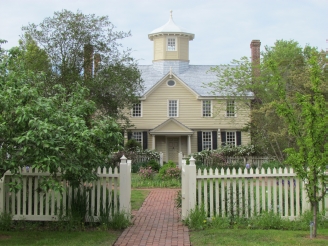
<point x="255" y="51"/>
<point x="255" y="56"/>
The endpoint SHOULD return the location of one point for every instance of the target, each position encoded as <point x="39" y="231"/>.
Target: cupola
<point x="171" y="47"/>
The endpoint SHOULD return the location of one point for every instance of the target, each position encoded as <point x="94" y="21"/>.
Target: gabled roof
<point x="165" y="78"/>
<point x="171" y="127"/>
<point x="195" y="77"/>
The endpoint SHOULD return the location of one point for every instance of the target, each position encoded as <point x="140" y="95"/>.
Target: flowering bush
<point x="172" y="173"/>
<point x="146" y="172"/>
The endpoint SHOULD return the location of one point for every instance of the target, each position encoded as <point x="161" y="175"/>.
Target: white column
<point x="189" y="144"/>
<point x="153" y="145"/>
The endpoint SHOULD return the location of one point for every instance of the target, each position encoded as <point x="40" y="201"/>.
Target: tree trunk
<point x="315" y="208"/>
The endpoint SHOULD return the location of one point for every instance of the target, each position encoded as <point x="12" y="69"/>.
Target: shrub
<point x="153" y="164"/>
<point x="196" y="219"/>
<point x="272" y="164"/>
<point x="5" y="221"/>
<point x="146" y="173"/>
<point x="165" y="167"/>
<point x="172" y="173"/>
<point x="132" y="145"/>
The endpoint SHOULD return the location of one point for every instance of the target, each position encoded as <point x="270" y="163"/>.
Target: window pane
<point x="136" y="112"/>
<point x="137" y="136"/>
<point x="171" y="44"/>
<point x="207" y="140"/>
<point x="231" y="108"/>
<point x="173" y="108"/>
<point x="207" y="108"/>
<point x="231" y="138"/>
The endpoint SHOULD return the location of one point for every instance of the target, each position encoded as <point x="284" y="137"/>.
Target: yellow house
<point x="176" y="112"/>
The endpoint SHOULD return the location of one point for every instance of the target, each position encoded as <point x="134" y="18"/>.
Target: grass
<point x="156" y="182"/>
<point x="95" y="236"/>
<point x="58" y="238"/>
<point x="137" y="198"/>
<point x="213" y="236"/>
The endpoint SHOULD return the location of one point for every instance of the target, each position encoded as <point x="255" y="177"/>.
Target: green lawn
<point x="78" y="238"/>
<point x="246" y="237"/>
<point x="137" y="198"/>
<point x="58" y="238"/>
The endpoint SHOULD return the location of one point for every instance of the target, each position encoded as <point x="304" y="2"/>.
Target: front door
<point x="173" y="149"/>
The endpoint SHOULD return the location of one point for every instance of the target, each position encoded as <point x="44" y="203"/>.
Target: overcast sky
<point x="223" y="29"/>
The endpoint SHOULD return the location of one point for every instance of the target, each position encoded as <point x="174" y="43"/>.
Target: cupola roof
<point x="170" y="28"/>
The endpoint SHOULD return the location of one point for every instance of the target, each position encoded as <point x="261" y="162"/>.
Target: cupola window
<point x="171" y="44"/>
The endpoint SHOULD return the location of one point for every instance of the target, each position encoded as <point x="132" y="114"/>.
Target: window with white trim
<point x="231" y="138"/>
<point x="207" y="108"/>
<point x="173" y="108"/>
<point x="207" y="140"/>
<point x="231" y="108"/>
<point x="136" y="111"/>
<point x="171" y="44"/>
<point x="137" y="136"/>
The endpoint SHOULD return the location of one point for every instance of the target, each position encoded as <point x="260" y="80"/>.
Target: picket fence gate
<point x="244" y="192"/>
<point x="113" y="188"/>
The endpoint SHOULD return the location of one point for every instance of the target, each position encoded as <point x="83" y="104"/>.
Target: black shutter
<point x="145" y="140"/>
<point x="129" y="135"/>
<point x="223" y="138"/>
<point x="215" y="139"/>
<point x="199" y="141"/>
<point x="238" y="133"/>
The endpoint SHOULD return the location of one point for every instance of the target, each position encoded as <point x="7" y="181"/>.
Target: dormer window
<point x="171" y="44"/>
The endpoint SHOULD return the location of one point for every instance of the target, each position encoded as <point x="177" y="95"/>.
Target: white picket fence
<point x="230" y="160"/>
<point x="244" y="192"/>
<point x="29" y="203"/>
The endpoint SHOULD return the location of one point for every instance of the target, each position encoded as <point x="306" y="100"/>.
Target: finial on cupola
<point x="171" y="13"/>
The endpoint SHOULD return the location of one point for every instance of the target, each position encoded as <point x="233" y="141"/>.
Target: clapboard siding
<point x="154" y="110"/>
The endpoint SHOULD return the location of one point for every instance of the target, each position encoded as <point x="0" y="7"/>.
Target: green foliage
<point x="132" y="145"/>
<point x="85" y="49"/>
<point x="169" y="171"/>
<point x="120" y="220"/>
<point x="5" y="221"/>
<point x="153" y="164"/>
<point x="146" y="156"/>
<point x="56" y="133"/>
<point x="146" y="173"/>
<point x="156" y="182"/>
<point x="196" y="219"/>
<point x="178" y="199"/>
<point x="272" y="164"/>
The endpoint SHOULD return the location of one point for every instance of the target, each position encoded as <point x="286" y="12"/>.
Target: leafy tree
<point x="268" y="130"/>
<point x="289" y="111"/>
<point x="305" y="110"/>
<point x="86" y="49"/>
<point x="57" y="133"/>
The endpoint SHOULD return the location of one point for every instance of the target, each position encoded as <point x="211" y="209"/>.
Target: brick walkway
<point x="157" y="222"/>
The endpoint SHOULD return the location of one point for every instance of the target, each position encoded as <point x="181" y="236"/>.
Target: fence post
<point x="192" y="184"/>
<point x="161" y="159"/>
<point x="2" y="194"/>
<point x="184" y="190"/>
<point x="180" y="159"/>
<point x="125" y="185"/>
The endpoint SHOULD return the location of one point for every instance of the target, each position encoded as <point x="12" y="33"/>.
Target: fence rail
<point x="31" y="203"/>
<point x="244" y="192"/>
